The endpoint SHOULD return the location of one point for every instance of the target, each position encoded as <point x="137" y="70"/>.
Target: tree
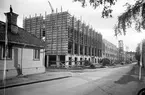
<point x="106" y="12"/>
<point x="134" y="14"/>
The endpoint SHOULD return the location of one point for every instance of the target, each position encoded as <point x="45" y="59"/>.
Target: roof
<point x="22" y="37"/>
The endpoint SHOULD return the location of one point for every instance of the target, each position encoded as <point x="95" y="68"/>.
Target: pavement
<point x="51" y="74"/>
<point x="34" y="78"/>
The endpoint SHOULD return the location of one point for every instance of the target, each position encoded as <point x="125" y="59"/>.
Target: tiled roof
<point x="22" y="37"/>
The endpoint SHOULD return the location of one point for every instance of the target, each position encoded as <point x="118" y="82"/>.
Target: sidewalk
<point x="35" y="78"/>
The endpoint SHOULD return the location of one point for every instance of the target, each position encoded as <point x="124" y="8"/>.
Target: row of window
<point x="81" y="60"/>
<point x="36" y="53"/>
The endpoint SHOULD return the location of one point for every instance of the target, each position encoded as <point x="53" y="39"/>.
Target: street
<point x="109" y="81"/>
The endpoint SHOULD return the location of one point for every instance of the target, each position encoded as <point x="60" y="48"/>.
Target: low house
<point x="25" y="52"/>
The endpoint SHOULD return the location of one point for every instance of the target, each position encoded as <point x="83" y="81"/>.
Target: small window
<point x="36" y="54"/>
<point x="8" y="53"/>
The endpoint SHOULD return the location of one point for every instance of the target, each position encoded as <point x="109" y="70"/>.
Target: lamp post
<point x="6" y="42"/>
<point x="140" y="61"/>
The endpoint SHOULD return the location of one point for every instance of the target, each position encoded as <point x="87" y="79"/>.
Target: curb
<point x="28" y="83"/>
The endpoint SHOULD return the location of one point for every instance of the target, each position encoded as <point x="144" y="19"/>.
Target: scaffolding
<point x="65" y="34"/>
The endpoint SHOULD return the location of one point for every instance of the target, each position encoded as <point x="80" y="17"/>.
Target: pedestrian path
<point x="35" y="78"/>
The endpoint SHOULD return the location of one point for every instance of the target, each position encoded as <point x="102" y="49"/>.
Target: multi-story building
<point x="121" y="51"/>
<point x="110" y="51"/>
<point x="69" y="40"/>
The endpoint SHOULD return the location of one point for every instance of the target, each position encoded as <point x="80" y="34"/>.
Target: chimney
<point x="12" y="21"/>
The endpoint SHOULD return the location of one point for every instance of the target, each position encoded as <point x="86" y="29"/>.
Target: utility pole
<point x="5" y="58"/>
<point x="140" y="14"/>
<point x="140" y="60"/>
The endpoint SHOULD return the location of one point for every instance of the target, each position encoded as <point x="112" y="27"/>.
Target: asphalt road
<point x="108" y="81"/>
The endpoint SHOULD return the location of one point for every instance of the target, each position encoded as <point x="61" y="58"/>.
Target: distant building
<point x="25" y="52"/>
<point x="69" y="41"/>
<point x="121" y="50"/>
<point x="110" y="51"/>
<point x="130" y="56"/>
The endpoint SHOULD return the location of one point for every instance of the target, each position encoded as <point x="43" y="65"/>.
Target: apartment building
<point x="110" y="50"/>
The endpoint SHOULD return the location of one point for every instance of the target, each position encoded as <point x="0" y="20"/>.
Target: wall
<point x="30" y="65"/>
<point x="25" y="59"/>
<point x="11" y="71"/>
<point x="109" y="50"/>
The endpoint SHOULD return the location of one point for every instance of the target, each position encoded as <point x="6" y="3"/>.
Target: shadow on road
<point x="132" y="75"/>
<point x="126" y="79"/>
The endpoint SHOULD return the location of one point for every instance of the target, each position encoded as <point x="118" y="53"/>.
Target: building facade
<point x="121" y="51"/>
<point x="69" y="40"/>
<point x="130" y="56"/>
<point x="25" y="53"/>
<point x="110" y="51"/>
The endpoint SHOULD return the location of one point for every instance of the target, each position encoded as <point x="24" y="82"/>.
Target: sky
<point x="90" y="16"/>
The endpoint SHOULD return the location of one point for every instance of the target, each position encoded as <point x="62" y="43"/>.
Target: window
<point x="43" y="33"/>
<point x="8" y="54"/>
<point x="70" y="60"/>
<point x="36" y="54"/>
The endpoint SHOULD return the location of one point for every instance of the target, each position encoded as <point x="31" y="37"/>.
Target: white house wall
<point x="11" y="71"/>
<point x="25" y="57"/>
<point x="30" y="65"/>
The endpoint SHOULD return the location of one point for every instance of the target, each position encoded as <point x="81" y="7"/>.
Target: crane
<point x="52" y="10"/>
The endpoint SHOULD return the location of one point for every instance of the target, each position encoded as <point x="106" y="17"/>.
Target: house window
<point x="36" y="54"/>
<point x="8" y="53"/>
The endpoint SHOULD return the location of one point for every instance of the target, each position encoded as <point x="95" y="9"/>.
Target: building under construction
<point x="69" y="40"/>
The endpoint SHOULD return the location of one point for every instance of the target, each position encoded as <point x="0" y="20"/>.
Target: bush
<point x="116" y="62"/>
<point x="88" y="63"/>
<point x="122" y="63"/>
<point x="105" y="61"/>
<point x="128" y="62"/>
<point x="92" y="66"/>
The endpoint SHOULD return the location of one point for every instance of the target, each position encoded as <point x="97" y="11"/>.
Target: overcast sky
<point x="90" y="16"/>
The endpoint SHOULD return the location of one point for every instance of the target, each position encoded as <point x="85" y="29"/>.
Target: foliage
<point x="88" y="63"/>
<point x="116" y="62"/>
<point x="130" y="16"/>
<point x="128" y="61"/>
<point x="133" y="14"/>
<point x="107" y="10"/>
<point x="105" y="61"/>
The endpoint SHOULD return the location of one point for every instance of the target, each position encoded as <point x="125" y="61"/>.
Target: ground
<point x="109" y="81"/>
